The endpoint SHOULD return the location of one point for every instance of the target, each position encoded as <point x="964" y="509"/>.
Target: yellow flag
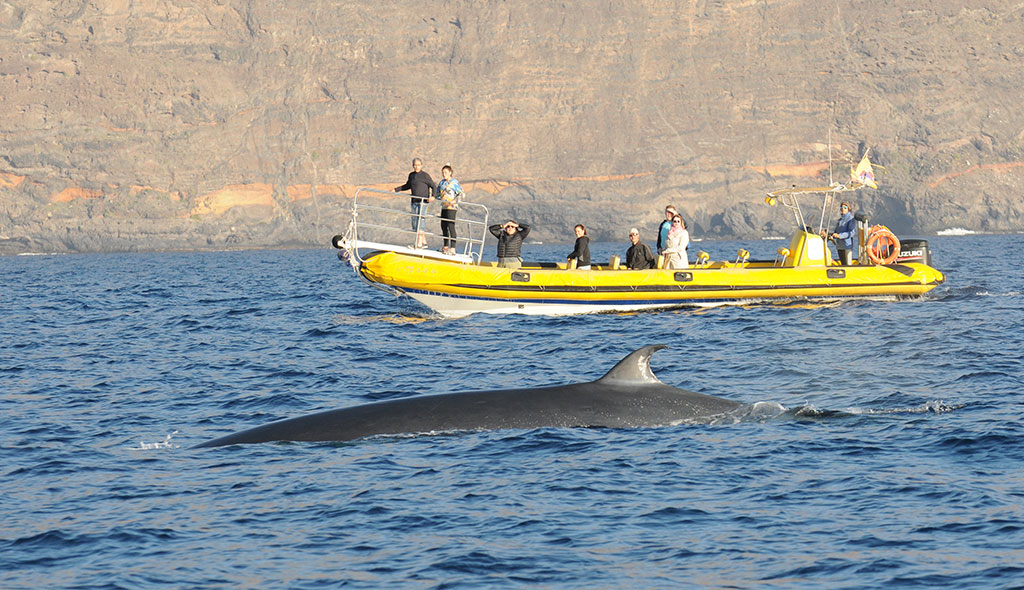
<point x="863" y="173"/>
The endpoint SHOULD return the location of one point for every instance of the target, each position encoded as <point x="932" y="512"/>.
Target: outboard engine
<point x="914" y="251"/>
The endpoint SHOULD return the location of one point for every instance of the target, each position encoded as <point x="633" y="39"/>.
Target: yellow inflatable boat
<point x="459" y="284"/>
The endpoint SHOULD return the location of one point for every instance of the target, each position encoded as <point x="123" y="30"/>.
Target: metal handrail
<point x="394" y="221"/>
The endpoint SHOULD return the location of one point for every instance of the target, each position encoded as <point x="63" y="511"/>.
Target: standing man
<point x="665" y="227"/>
<point x="842" y="235"/>
<point x="639" y="256"/>
<point x="510" y="243"/>
<point x="423" y="188"/>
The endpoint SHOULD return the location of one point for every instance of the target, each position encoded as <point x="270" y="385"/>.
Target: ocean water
<point x="897" y="463"/>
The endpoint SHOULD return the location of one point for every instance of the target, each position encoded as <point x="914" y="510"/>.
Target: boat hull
<point x="454" y="290"/>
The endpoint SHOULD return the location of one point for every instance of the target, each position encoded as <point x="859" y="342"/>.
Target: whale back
<point x="628" y="396"/>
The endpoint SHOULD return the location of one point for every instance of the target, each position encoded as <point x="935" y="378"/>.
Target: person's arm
<point x="406" y="186"/>
<point x="671" y="246"/>
<point x="847" y="228"/>
<point x="432" y="185"/>
<point x="650" y="257"/>
<point x="576" y="250"/>
<point x="524" y="230"/>
<point x="495" y="230"/>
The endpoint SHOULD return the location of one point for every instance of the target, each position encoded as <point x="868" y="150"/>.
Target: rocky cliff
<point x="153" y="124"/>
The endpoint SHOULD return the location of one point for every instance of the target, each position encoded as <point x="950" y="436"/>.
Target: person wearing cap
<point x="843" y="234"/>
<point x="510" y="243"/>
<point x="638" y="256"/>
<point x="665" y="227"/>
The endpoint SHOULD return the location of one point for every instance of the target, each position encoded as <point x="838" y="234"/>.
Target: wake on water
<point x="767" y="411"/>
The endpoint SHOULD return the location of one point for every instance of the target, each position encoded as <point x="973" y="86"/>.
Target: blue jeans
<point x="417" y="207"/>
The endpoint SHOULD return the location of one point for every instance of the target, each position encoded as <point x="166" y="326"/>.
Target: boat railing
<point x="383" y="220"/>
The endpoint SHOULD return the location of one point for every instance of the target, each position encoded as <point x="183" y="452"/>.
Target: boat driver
<point x="842" y="235"/>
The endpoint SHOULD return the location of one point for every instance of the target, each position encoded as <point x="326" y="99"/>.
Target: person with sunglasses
<point x="676" y="245"/>
<point x="638" y="256"/>
<point x="843" y="234"/>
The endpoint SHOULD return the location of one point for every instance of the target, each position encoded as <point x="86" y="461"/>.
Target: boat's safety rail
<point x="789" y="198"/>
<point x="383" y="220"/>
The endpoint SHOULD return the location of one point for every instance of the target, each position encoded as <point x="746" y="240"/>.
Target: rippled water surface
<point x="899" y="461"/>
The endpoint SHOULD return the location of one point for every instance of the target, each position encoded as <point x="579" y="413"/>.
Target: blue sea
<point x="897" y="463"/>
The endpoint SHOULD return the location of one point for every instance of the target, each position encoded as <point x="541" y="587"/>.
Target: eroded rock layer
<point x="154" y="124"/>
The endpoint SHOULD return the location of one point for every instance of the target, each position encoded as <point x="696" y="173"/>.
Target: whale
<point x="627" y="396"/>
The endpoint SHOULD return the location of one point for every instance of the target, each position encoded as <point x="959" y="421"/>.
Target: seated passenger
<point x="639" y="256"/>
<point x="676" y="245"/>
<point x="510" y="243"/>
<point x="582" y="252"/>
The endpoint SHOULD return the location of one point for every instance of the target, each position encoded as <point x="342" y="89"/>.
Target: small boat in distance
<point x="461" y="283"/>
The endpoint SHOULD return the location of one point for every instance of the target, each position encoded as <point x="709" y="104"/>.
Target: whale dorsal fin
<point x="635" y="368"/>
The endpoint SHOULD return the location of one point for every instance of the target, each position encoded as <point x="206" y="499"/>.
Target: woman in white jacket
<point x="678" y="240"/>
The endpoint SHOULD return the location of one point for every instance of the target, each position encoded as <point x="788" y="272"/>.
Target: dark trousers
<point x="448" y="227"/>
<point x="845" y="256"/>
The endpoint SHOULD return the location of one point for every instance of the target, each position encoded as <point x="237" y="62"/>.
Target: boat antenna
<point x="830" y="156"/>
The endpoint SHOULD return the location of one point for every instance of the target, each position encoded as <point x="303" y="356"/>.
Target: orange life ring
<point x="882" y="246"/>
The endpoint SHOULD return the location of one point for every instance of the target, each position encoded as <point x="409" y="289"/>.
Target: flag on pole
<point x="863" y="173"/>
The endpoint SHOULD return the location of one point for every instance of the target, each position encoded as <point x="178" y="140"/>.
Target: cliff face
<point x="139" y="124"/>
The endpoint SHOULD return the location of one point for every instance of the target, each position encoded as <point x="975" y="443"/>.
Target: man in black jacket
<point x="423" y="188"/>
<point x="510" y="243"/>
<point x="639" y="256"/>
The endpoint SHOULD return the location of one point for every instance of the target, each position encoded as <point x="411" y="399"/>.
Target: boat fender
<point x="336" y="241"/>
<point x="882" y="246"/>
<point x="782" y="253"/>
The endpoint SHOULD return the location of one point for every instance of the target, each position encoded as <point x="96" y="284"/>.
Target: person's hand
<point x="430" y="199"/>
